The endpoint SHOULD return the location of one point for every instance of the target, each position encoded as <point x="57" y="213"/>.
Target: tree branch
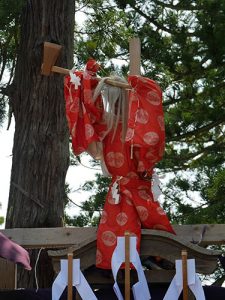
<point x="157" y="24"/>
<point x="197" y="131"/>
<point x="177" y="6"/>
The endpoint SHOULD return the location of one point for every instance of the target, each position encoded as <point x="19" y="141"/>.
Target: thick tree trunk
<point x="41" y="143"/>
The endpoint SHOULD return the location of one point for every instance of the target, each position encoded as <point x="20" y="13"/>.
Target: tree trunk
<point x="41" y="140"/>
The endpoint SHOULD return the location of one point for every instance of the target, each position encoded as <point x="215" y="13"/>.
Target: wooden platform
<point x="82" y="242"/>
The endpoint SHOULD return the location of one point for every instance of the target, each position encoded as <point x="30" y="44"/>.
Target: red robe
<point x="127" y="162"/>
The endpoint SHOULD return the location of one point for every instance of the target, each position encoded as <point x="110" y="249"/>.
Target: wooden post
<point x="135" y="56"/>
<point x="70" y="277"/>
<point x="127" y="265"/>
<point x="185" y="274"/>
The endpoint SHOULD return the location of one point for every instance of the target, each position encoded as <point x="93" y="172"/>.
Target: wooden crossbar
<point x="66" y="236"/>
<point x="52" y="51"/>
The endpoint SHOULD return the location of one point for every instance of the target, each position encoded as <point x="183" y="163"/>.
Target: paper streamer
<point x="79" y="281"/>
<point x="194" y="282"/>
<point x="140" y="289"/>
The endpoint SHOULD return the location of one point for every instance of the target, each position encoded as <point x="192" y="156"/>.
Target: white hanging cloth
<point x="194" y="282"/>
<point x="156" y="191"/>
<point x="140" y="289"/>
<point x="79" y="281"/>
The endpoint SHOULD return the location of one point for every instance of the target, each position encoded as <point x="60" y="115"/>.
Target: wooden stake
<point x="127" y="265"/>
<point x="135" y="56"/>
<point x="70" y="277"/>
<point x="185" y="274"/>
<point x="51" y="53"/>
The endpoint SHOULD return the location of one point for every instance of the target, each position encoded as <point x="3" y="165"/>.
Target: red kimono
<point x="127" y="162"/>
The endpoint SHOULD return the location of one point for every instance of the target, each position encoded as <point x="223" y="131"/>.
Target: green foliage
<point x="91" y="208"/>
<point x="2" y="220"/>
<point x="9" y="34"/>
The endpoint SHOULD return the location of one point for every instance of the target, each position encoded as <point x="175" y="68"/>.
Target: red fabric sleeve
<point x="83" y="114"/>
<point x="146" y="132"/>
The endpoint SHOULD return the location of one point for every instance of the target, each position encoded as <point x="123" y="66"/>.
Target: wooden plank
<point x="59" y="237"/>
<point x="214" y="233"/>
<point x="135" y="56"/>
<point x="67" y="236"/>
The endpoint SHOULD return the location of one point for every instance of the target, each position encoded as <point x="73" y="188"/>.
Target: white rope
<point x="35" y="269"/>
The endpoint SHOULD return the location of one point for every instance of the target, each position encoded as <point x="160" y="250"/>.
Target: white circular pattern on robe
<point x="129" y="202"/>
<point x="109" y="238"/>
<point x="142" y="212"/>
<point x="160" y="211"/>
<point x="74" y="107"/>
<point x="153" y="97"/>
<point x="124" y="181"/>
<point x="115" y="159"/>
<point x="144" y="195"/>
<point x="142" y="187"/>
<point x="98" y="257"/>
<point x="142" y="116"/>
<point x="104" y="216"/>
<point x="127" y="193"/>
<point x="129" y="134"/>
<point x="89" y="131"/>
<point x="161" y="122"/>
<point x="151" y="157"/>
<point x="121" y="218"/>
<point x="132" y="175"/>
<point x="141" y="166"/>
<point x="151" y="138"/>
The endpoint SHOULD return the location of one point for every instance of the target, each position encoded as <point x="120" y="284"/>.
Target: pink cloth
<point x="13" y="252"/>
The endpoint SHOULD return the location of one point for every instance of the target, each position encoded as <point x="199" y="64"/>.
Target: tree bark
<point x="41" y="140"/>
